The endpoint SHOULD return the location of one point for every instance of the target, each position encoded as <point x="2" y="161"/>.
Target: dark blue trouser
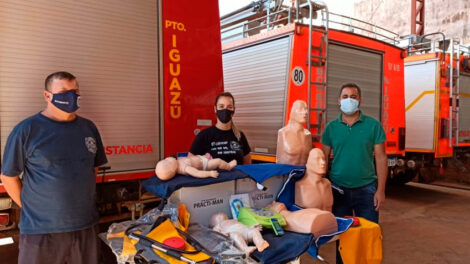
<point x="75" y="247"/>
<point x="354" y="202"/>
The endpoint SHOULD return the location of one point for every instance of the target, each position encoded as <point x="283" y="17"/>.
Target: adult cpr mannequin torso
<point x="314" y="191"/>
<point x="309" y="220"/>
<point x="294" y="141"/>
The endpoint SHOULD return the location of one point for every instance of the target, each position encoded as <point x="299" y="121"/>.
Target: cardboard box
<point x="245" y="185"/>
<point x="261" y="198"/>
<point x="204" y="201"/>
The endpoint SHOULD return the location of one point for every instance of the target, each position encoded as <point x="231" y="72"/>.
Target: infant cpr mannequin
<point x="294" y="141"/>
<point x="196" y="166"/>
<point x="314" y="191"/>
<point x="239" y="233"/>
<point x="309" y="220"/>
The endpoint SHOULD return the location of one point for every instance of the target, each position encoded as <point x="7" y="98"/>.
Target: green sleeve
<point x="325" y="137"/>
<point x="379" y="134"/>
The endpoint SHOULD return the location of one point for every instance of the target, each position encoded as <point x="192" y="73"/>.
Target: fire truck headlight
<point x="400" y="162"/>
<point x="411" y="164"/>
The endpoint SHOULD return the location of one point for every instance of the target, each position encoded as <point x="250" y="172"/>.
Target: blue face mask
<point x="68" y="102"/>
<point x="349" y="106"/>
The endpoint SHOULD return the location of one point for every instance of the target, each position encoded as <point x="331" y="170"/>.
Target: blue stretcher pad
<point x="275" y="253"/>
<point x="164" y="189"/>
<point x="264" y="171"/>
<point x="258" y="172"/>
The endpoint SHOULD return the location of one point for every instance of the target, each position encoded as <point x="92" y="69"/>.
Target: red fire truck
<point x="437" y="102"/>
<point x="276" y="52"/>
<point x="148" y="73"/>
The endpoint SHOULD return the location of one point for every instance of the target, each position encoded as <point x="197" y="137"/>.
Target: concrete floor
<point x="420" y="224"/>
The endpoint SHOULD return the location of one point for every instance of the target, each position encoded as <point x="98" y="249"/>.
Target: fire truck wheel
<point x="427" y="174"/>
<point x="401" y="177"/>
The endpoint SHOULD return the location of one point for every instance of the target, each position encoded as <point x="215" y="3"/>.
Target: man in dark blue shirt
<point x="58" y="153"/>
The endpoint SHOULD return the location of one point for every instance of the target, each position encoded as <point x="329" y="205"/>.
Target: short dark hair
<point x="350" y="85"/>
<point x="224" y="94"/>
<point x="60" y="75"/>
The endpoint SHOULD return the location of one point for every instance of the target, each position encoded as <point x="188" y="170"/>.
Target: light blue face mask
<point x="349" y="106"/>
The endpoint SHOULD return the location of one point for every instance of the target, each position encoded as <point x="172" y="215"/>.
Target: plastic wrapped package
<point x="215" y="244"/>
<point x="219" y="246"/>
<point x="152" y="215"/>
<point x="121" y="245"/>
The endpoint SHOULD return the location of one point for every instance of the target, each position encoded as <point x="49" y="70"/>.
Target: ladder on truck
<point x="317" y="62"/>
<point x="457" y="51"/>
<point x="454" y="93"/>
<point x="454" y="83"/>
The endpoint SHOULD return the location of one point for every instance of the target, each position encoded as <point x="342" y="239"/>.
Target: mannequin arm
<point x="218" y="229"/>
<point x="241" y="243"/>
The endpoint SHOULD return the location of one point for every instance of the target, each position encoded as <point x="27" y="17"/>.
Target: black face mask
<point x="224" y="115"/>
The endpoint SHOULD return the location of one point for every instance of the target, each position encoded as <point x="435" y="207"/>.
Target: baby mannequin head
<point x="166" y="168"/>
<point x="217" y="219"/>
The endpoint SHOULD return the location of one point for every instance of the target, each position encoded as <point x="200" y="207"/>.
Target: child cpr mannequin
<point x="309" y="220"/>
<point x="239" y="233"/>
<point x="294" y="141"/>
<point x="314" y="191"/>
<point x="196" y="166"/>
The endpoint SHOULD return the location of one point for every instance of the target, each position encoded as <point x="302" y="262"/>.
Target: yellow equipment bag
<point x="163" y="231"/>
<point x="127" y="243"/>
<point x="362" y="244"/>
<point x="183" y="216"/>
<point x="166" y="230"/>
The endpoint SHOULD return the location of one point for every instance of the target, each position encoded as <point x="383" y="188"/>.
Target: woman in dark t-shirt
<point x="223" y="140"/>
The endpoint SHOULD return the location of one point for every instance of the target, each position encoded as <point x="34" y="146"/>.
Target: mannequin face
<point x="316" y="161"/>
<point x="299" y="112"/>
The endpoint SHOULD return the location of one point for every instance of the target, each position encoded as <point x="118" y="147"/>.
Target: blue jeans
<point x="356" y="202"/>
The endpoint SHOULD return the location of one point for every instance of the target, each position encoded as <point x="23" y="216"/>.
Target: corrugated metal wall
<point x="464" y="107"/>
<point x="257" y="77"/>
<point x="110" y="45"/>
<point x="347" y="64"/>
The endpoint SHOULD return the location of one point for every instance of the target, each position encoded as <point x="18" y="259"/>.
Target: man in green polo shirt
<point x="353" y="138"/>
